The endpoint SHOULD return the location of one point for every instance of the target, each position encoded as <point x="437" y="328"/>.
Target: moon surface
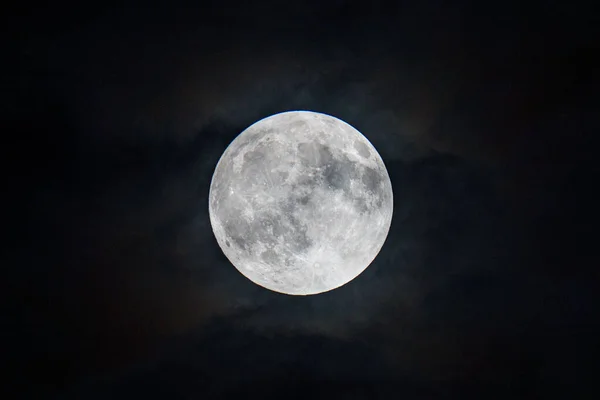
<point x="300" y="203"/>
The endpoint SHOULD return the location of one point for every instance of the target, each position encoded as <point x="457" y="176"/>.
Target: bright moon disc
<point x="300" y="203"/>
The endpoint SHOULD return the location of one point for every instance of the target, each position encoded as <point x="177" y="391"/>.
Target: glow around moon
<point x="300" y="203"/>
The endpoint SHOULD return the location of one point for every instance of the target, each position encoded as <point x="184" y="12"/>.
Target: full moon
<point x="300" y="203"/>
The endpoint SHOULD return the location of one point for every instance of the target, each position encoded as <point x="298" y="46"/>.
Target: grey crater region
<point x="300" y="203"/>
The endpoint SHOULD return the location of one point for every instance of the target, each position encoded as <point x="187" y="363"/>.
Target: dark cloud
<point x="213" y="365"/>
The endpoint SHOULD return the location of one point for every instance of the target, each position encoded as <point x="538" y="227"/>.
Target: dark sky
<point x="482" y="112"/>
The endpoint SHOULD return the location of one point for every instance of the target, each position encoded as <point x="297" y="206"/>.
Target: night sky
<point x="483" y="112"/>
